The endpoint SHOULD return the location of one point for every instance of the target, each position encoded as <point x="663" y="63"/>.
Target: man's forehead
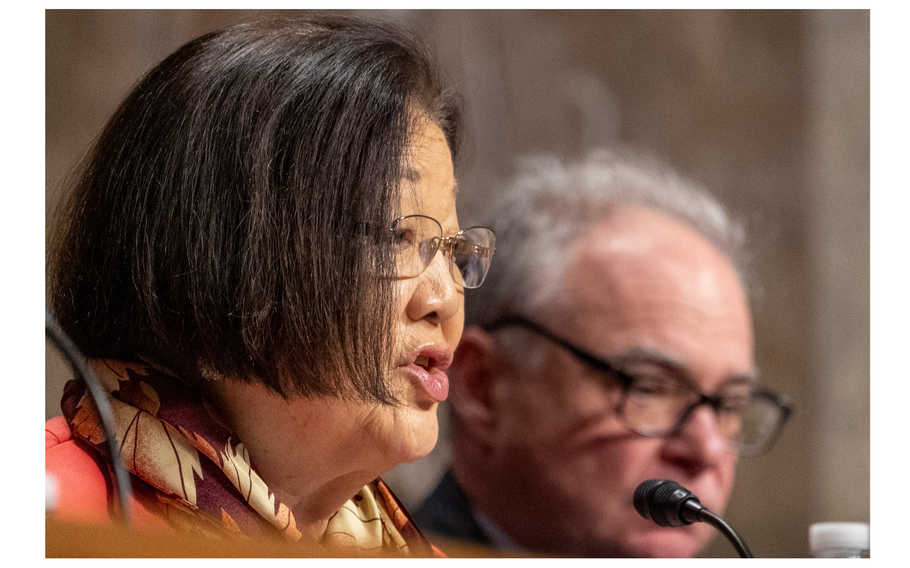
<point x="635" y="242"/>
<point x="624" y="288"/>
<point x="637" y="229"/>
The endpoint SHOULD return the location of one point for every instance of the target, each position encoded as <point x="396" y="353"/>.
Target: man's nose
<point x="698" y="445"/>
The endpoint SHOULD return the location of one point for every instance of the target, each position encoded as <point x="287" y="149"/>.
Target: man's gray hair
<point x="549" y="204"/>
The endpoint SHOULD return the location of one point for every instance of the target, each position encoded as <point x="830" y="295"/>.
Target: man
<point x="617" y="302"/>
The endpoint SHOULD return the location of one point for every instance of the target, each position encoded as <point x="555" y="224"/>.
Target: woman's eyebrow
<point x="411" y="175"/>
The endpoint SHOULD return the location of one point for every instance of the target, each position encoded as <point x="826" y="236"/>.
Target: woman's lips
<point x="429" y="365"/>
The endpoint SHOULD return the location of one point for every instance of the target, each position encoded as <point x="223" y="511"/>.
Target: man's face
<point x="639" y="284"/>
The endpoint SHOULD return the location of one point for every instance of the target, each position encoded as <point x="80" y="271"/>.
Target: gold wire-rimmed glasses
<point x="417" y="238"/>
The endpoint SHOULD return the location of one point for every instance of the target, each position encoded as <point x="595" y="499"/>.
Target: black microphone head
<point x="644" y="493"/>
<point x="667" y="503"/>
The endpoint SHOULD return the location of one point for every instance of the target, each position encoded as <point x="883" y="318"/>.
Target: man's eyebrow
<point x="750" y="378"/>
<point x="639" y="354"/>
<point x="645" y="355"/>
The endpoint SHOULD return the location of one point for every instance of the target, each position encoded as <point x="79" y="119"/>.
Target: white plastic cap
<point x="839" y="535"/>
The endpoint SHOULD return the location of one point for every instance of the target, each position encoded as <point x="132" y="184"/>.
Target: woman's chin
<point x="418" y="435"/>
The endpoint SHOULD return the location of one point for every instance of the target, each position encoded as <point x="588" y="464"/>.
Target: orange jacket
<point x="83" y="487"/>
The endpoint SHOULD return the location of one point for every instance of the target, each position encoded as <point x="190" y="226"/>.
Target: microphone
<point x="669" y="504"/>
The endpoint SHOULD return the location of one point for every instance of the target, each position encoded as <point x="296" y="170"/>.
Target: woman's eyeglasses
<point x="658" y="404"/>
<point x="417" y="238"/>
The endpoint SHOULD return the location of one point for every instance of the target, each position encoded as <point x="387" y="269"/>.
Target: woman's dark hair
<point x="224" y="216"/>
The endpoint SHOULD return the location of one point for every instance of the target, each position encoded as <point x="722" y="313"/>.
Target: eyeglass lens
<point x="748" y="420"/>
<point x="417" y="239"/>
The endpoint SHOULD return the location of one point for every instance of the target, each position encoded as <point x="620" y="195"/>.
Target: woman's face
<point x="335" y="444"/>
<point x="430" y="310"/>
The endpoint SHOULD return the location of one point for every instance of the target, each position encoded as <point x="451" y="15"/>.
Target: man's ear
<point x="475" y="369"/>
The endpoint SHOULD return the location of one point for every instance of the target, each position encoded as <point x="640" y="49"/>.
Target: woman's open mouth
<point x="429" y="365"/>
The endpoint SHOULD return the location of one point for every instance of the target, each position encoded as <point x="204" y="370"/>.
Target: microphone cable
<point x="707" y="516"/>
<point x="83" y="370"/>
<point x="669" y="504"/>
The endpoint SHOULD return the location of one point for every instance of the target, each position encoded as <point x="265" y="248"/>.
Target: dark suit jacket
<point x="447" y="513"/>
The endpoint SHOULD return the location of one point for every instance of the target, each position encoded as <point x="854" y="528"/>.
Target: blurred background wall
<point x="768" y="109"/>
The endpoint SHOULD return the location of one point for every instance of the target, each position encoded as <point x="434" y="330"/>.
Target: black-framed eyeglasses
<point x="417" y="238"/>
<point x="659" y="404"/>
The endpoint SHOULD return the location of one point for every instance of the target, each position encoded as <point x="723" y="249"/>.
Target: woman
<point x="263" y="262"/>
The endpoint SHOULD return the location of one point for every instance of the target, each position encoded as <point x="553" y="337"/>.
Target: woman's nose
<point x="436" y="298"/>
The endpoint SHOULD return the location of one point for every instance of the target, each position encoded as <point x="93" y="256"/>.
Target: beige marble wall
<point x="769" y="109"/>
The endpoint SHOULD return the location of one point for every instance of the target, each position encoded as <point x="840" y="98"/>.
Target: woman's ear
<point x="472" y="375"/>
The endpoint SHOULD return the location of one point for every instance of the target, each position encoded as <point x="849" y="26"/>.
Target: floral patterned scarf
<point x="194" y="473"/>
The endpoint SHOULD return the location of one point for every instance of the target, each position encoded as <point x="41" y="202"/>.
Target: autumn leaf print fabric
<point x="192" y="471"/>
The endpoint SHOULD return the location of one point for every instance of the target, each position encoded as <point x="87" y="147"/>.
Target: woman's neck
<point x="309" y="456"/>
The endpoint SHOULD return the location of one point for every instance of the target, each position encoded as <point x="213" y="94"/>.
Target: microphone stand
<point x="82" y="370"/>
<point x="706" y="516"/>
